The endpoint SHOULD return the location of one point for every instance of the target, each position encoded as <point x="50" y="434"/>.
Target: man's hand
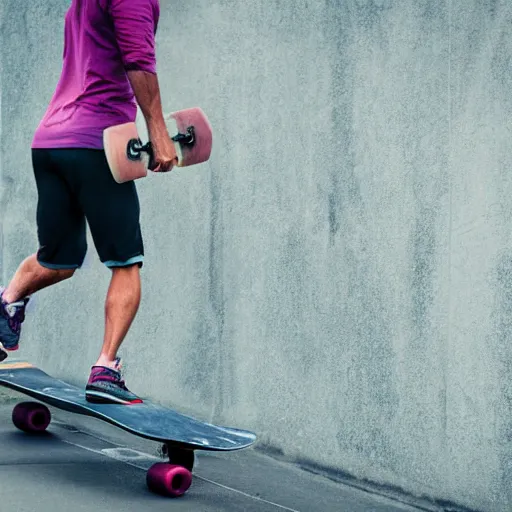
<point x="164" y="152"/>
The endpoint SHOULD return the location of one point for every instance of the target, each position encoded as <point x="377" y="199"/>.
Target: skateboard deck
<point x="129" y="159"/>
<point x="180" y="434"/>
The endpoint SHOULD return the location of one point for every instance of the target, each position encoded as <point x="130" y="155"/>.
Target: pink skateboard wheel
<point x="31" y="417"/>
<point x="201" y="149"/>
<point x="168" y="480"/>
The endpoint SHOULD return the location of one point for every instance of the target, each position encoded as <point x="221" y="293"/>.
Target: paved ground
<point x="82" y="463"/>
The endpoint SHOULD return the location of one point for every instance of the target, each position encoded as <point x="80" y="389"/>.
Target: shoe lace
<point x="16" y="314"/>
<point x="15" y="307"/>
<point x="119" y="373"/>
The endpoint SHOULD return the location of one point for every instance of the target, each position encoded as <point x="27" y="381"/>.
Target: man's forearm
<point x="147" y="93"/>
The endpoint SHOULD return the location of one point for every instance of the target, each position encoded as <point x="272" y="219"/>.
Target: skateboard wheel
<point x="168" y="479"/>
<point x="31" y="417"/>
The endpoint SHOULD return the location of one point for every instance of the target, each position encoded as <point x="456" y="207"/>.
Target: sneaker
<point x="106" y="386"/>
<point x="11" y="317"/>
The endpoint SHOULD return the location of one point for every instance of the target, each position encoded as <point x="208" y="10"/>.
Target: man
<point x="109" y="62"/>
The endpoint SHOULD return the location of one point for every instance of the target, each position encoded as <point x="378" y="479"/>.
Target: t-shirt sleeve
<point x="135" y="23"/>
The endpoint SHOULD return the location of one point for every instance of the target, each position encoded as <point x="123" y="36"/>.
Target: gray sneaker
<point x="106" y="385"/>
<point x="11" y="317"/>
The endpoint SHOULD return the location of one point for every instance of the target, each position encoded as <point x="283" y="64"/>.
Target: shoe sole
<point x="97" y="397"/>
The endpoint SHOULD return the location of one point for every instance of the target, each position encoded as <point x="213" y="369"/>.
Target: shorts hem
<point x="56" y="266"/>
<point x="127" y="263"/>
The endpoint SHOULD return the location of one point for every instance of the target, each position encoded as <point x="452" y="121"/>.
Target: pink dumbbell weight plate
<point x="129" y="159"/>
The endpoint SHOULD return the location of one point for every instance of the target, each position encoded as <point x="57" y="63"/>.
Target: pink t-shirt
<point x="103" y="39"/>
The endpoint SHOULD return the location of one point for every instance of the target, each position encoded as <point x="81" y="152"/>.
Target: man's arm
<point x="147" y="91"/>
<point x="135" y="24"/>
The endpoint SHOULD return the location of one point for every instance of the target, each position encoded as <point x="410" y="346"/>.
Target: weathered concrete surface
<point x="339" y="276"/>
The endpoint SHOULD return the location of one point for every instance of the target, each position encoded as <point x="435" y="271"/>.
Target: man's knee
<point x="126" y="276"/>
<point x="58" y="274"/>
<point x="65" y="273"/>
<point x="53" y="270"/>
<point x="124" y="286"/>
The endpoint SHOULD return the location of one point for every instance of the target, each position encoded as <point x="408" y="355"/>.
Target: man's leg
<point x="31" y="277"/>
<point x="112" y="211"/>
<point x="62" y="242"/>
<point x="121" y="306"/>
<point x="105" y="384"/>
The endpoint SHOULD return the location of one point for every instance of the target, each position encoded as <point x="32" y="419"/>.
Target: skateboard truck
<point x="186" y="138"/>
<point x="135" y="147"/>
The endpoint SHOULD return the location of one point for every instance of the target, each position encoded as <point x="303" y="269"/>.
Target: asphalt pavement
<point x="82" y="464"/>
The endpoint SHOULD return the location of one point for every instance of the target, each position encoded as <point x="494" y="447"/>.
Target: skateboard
<point x="129" y="159"/>
<point x="180" y="435"/>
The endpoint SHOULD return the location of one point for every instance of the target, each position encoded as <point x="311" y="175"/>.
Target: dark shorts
<point x="75" y="186"/>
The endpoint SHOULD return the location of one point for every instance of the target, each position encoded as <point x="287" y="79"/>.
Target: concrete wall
<point x="339" y="276"/>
